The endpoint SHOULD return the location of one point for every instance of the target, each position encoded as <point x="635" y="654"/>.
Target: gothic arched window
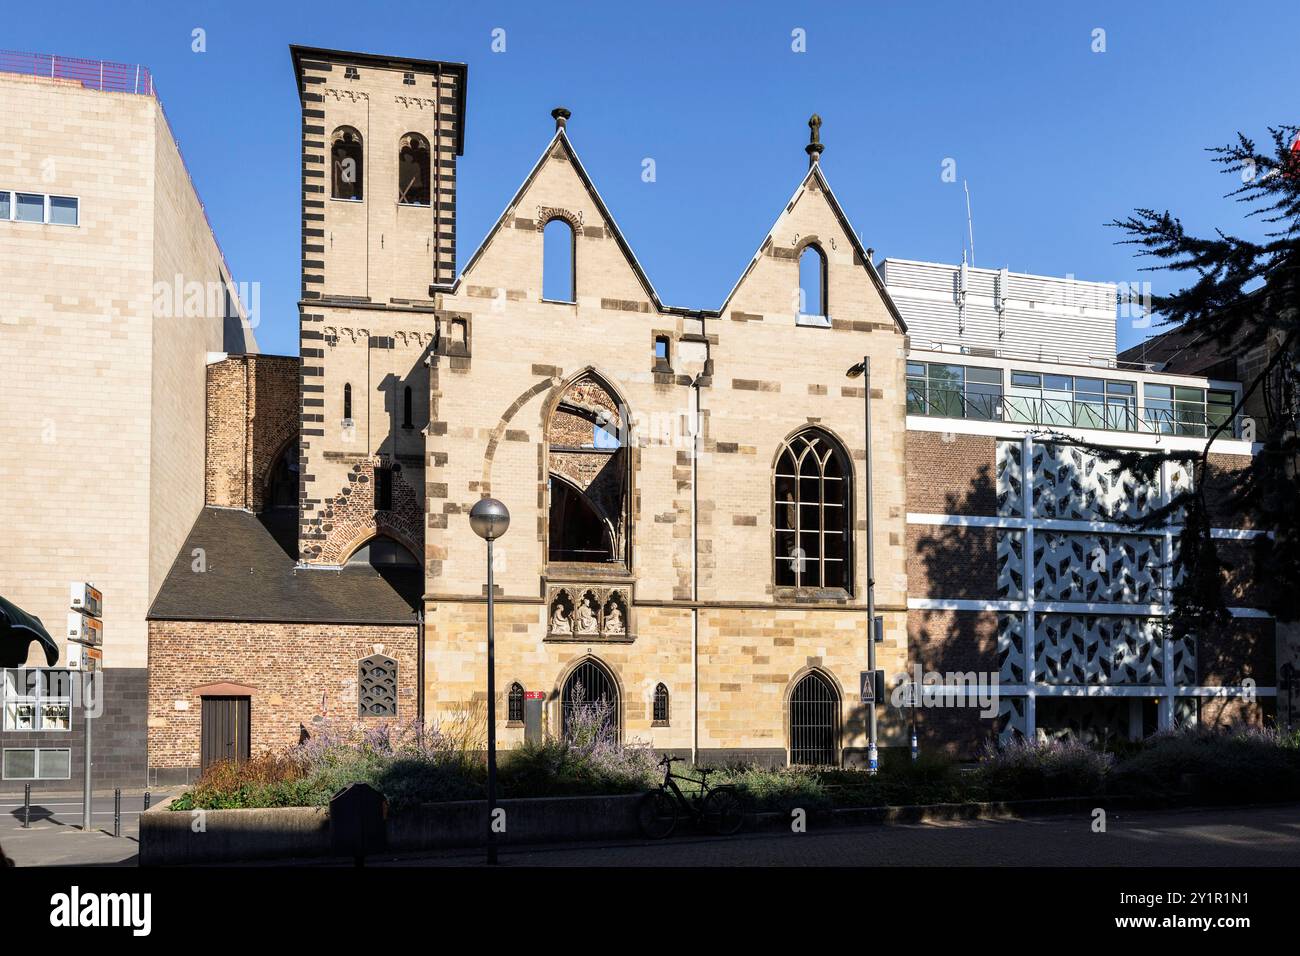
<point x="345" y="164"/>
<point x="515" y="704"/>
<point x="812" y="504"/>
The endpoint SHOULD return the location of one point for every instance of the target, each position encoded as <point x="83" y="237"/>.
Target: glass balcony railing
<point x="1123" y="416"/>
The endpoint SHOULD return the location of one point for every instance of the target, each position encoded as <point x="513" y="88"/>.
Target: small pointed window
<point x="516" y="704"/>
<point x="406" y="408"/>
<point x="413" y="170"/>
<point x="346" y="161"/>
<point x="347" y="401"/>
<point x="812" y="283"/>
<point x="661" y="704"/>
<point x="558" y="254"/>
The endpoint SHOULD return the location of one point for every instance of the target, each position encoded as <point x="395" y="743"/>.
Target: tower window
<point x="558" y="254"/>
<point x="406" y="408"/>
<point x="346" y="162"/>
<point x="350" y="73"/>
<point x="347" y="402"/>
<point x="408" y="79"/>
<point x="413" y="170"/>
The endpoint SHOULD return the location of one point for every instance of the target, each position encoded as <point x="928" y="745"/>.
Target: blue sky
<point x="1054" y="139"/>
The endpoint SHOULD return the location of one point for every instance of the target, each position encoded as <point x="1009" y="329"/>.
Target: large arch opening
<point x="588" y="520"/>
<point x="815" y="722"/>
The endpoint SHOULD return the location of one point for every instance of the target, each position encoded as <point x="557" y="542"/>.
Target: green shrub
<point x="1214" y="765"/>
<point x="1024" y="770"/>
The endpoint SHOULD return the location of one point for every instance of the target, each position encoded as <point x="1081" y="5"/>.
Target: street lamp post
<point x="863" y="369"/>
<point x="490" y="518"/>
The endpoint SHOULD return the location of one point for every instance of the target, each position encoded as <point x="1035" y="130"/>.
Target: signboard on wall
<point x="83" y="658"/>
<point x="85" y="629"/>
<point x="88" y="598"/>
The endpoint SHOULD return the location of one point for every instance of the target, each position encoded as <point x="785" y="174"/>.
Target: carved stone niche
<point x="588" y="613"/>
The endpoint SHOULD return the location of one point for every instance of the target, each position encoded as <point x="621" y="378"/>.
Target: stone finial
<point x="814" y="147"/>
<point x="561" y="116"/>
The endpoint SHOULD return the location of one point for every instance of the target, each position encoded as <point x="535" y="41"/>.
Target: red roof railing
<point x="92" y="74"/>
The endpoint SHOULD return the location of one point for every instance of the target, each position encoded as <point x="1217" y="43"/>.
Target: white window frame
<point x="45" y="208"/>
<point x="36" y="766"/>
<point x="37" y="701"/>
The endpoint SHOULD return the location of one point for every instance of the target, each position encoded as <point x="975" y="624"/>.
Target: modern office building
<point x="115" y="296"/>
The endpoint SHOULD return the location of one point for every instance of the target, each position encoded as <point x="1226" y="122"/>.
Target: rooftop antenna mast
<point x="970" y="225"/>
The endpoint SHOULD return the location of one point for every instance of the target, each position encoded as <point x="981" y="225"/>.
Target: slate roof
<point x="252" y="575"/>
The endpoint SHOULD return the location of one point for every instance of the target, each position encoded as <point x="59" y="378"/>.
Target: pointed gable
<point x="769" y="283"/>
<point x="558" y="186"/>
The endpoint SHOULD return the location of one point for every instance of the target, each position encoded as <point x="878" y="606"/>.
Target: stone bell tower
<point x="380" y="139"/>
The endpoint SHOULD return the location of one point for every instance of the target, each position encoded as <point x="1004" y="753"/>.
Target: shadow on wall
<point x="959" y="561"/>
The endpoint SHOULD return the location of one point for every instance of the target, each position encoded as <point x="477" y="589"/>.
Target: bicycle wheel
<point x="723" y="812"/>
<point x="657" y="815"/>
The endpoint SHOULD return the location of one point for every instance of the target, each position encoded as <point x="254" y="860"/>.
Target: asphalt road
<point x="1251" y="836"/>
<point x="1254" y="836"/>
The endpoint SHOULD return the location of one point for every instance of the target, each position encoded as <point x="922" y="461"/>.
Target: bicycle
<point x="718" y="808"/>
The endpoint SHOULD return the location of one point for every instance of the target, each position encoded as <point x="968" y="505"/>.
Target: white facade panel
<point x="960" y="308"/>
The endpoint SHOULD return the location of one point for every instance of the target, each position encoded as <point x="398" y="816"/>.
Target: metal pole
<point x="117" y="811"/>
<point x="873" y="760"/>
<point x="85" y="782"/>
<point x="27" y="806"/>
<point x="492" y="716"/>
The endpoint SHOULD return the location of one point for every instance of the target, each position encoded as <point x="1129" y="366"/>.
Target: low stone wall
<point x="174" y="838"/>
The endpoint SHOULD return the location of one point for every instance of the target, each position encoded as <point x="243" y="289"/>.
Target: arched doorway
<point x="589" y="685"/>
<point x="282" y="480"/>
<point x="814" y="722"/>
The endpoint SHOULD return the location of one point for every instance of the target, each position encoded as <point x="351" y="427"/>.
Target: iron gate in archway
<point x="589" y="684"/>
<point x="814" y="722"/>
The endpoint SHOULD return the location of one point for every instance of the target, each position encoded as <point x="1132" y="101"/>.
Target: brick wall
<point x="252" y="415"/>
<point x="1245" y="647"/>
<point x="950" y="474"/>
<point x="291" y="668"/>
<point x="952" y="562"/>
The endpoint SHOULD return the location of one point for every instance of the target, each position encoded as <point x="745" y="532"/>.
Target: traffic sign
<point x="872" y="684"/>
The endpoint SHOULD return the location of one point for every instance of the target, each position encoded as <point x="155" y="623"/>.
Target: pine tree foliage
<point x="1241" y="295"/>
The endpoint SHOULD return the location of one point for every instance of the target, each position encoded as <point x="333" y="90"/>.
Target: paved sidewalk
<point x="55" y="837"/>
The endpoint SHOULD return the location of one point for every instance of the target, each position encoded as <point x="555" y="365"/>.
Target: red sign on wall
<point x="535" y="694"/>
